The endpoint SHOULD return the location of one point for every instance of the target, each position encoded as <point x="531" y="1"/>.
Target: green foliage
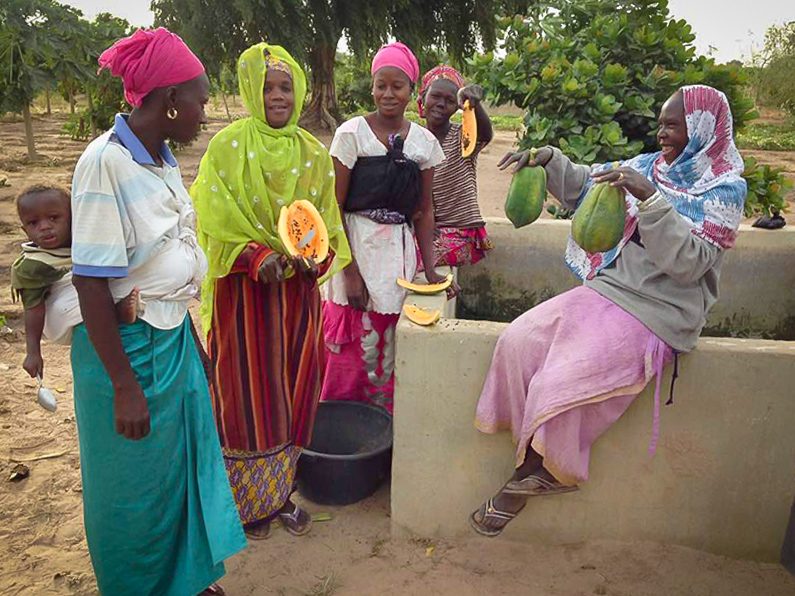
<point x="354" y="85"/>
<point x="593" y="74"/>
<point x="106" y="93"/>
<point x="767" y="187"/>
<point x="108" y="101"/>
<point x="768" y="137"/>
<point x="219" y="32"/>
<point x="28" y="40"/>
<point x="773" y="79"/>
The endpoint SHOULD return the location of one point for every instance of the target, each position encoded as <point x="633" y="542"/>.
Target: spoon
<point x="45" y="397"/>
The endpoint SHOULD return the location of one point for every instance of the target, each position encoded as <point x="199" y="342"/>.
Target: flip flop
<point x="214" y="590"/>
<point x="293" y="517"/>
<point x="536" y="486"/>
<point x="260" y="535"/>
<point x="491" y="512"/>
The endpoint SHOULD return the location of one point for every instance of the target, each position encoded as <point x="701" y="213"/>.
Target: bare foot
<point x="127" y="308"/>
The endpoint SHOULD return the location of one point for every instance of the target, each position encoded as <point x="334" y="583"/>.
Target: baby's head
<point x="46" y="215"/>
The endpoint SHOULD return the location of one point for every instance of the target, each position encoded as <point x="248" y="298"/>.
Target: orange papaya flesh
<point x="599" y="220"/>
<point x="526" y="196"/>
<point x="421" y="316"/>
<point x="426" y="288"/>
<point x="469" y="130"/>
<point x="298" y="219"/>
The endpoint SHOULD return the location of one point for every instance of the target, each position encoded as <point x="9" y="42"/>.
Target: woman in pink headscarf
<point x="159" y="514"/>
<point x="384" y="168"/>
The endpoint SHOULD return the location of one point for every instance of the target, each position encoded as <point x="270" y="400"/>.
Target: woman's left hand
<point x="633" y="182"/>
<point x="306" y="267"/>
<point x="473" y="93"/>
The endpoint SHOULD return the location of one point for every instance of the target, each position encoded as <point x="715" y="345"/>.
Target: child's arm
<point x="34" y="327"/>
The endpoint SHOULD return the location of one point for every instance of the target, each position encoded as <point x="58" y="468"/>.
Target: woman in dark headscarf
<point x="159" y="514"/>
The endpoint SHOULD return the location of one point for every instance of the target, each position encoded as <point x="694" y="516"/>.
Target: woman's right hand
<point x="356" y="289"/>
<point x="131" y="412"/>
<point x="526" y="158"/>
<point x="272" y="269"/>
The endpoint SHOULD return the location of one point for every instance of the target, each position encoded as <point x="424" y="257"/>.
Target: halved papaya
<point x="296" y="221"/>
<point x="426" y="288"/>
<point x="469" y="130"/>
<point x="421" y="316"/>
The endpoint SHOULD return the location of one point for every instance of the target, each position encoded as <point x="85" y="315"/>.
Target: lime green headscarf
<point x="251" y="169"/>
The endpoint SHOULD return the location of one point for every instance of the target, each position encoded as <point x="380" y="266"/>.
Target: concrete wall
<point x="526" y="267"/>
<point x="723" y="478"/>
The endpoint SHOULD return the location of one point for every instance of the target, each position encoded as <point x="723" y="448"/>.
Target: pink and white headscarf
<point x="148" y="60"/>
<point x="704" y="183"/>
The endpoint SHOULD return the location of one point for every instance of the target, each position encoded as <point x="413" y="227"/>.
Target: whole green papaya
<point x="598" y="223"/>
<point x="526" y="196"/>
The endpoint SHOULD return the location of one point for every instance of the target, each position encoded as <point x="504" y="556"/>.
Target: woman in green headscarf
<point x="261" y="309"/>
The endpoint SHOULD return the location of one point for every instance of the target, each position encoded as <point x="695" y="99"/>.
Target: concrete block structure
<point x="723" y="477"/>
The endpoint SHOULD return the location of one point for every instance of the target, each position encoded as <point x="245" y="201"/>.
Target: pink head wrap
<point x="400" y="56"/>
<point x="148" y="60"/>
<point x="447" y="73"/>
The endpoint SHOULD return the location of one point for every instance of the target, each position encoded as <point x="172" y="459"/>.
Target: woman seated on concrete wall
<point x="566" y="370"/>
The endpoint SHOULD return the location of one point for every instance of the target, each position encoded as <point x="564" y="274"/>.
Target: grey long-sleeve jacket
<point x="668" y="284"/>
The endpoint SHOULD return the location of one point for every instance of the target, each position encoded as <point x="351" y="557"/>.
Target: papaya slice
<point x="426" y="288"/>
<point x="421" y="316"/>
<point x="469" y="130"/>
<point x="301" y="220"/>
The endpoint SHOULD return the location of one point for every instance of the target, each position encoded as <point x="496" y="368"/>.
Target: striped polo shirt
<point x="125" y="209"/>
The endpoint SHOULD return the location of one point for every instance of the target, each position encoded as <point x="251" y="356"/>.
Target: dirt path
<point x="42" y="544"/>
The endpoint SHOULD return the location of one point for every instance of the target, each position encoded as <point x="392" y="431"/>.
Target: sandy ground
<point x="42" y="544"/>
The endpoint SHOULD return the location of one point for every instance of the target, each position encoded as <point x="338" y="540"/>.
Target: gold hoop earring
<point x="172" y="113"/>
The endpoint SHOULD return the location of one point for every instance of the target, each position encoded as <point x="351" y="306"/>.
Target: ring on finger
<point x="621" y="175"/>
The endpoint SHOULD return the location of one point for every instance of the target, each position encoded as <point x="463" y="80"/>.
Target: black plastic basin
<point x="349" y="456"/>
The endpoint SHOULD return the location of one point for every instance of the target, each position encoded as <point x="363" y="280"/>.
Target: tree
<point x="27" y="40"/>
<point x="104" y="92"/>
<point x="775" y="64"/>
<point x="593" y="74"/>
<point x="312" y="29"/>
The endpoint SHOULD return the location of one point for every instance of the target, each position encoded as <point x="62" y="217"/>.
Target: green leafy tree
<point x="593" y="74"/>
<point x="774" y="81"/>
<point x="28" y="39"/>
<point x="312" y="30"/>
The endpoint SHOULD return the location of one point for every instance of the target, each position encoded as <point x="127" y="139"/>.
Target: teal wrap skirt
<point x="159" y="513"/>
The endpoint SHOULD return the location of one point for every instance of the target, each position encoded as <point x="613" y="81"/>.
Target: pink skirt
<point x="563" y="373"/>
<point x="456" y="247"/>
<point x="360" y="356"/>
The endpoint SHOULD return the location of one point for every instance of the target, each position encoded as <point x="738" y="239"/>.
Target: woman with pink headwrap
<point x="159" y="514"/>
<point x="384" y="167"/>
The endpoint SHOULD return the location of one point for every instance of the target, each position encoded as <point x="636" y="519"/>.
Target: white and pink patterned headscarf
<point x="704" y="183"/>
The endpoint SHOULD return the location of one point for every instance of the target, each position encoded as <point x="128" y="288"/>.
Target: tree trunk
<point x="322" y="113"/>
<point x="47" y="96"/>
<point x="91" y="113"/>
<point x="226" y="107"/>
<point x="29" y="132"/>
<point x="71" y="101"/>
